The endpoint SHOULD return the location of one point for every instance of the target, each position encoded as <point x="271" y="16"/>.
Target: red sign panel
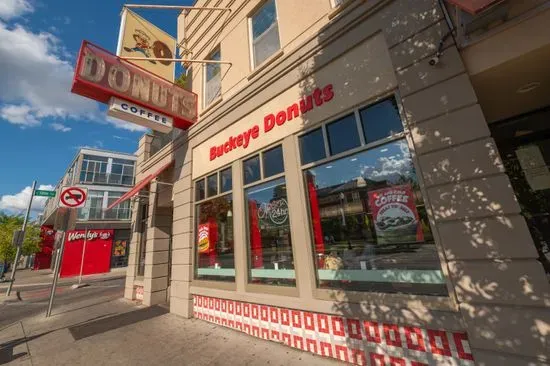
<point x="97" y="258"/>
<point x="473" y="6"/>
<point x="395" y="216"/>
<point x="100" y="75"/>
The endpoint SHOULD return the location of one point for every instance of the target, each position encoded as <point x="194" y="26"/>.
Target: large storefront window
<point x="214" y="229"/>
<point x="369" y="224"/>
<point x="270" y="255"/>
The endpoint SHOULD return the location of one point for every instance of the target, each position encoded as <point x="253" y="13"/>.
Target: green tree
<point x="181" y="80"/>
<point x="9" y="224"/>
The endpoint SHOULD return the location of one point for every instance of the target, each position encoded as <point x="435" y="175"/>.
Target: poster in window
<point x="395" y="215"/>
<point x="204" y="238"/>
<point x="120" y="248"/>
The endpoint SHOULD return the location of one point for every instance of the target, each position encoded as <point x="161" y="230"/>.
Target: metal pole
<point x="23" y="228"/>
<point x="132" y="58"/>
<point x="56" y="274"/>
<point x="83" y="252"/>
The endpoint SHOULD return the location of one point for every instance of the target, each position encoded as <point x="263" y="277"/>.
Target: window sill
<point x="265" y="64"/>
<point x="438" y="303"/>
<point x="211" y="106"/>
<point x="220" y="285"/>
<point x="273" y="290"/>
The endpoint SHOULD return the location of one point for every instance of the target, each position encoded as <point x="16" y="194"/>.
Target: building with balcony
<point x="108" y="176"/>
<point x="367" y="180"/>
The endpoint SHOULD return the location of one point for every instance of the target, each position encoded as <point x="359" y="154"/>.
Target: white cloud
<point x="14" y="8"/>
<point x="60" y="127"/>
<point x="17" y="203"/>
<point x="118" y="123"/>
<point x="21" y="115"/>
<point x="36" y="79"/>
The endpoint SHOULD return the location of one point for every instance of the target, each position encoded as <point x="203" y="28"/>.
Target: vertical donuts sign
<point x="139" y="38"/>
<point x="395" y="216"/>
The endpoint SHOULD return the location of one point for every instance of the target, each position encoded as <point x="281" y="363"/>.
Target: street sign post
<point x="73" y="197"/>
<point x="44" y="193"/>
<point x="20" y="238"/>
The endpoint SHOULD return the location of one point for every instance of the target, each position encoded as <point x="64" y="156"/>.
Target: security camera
<point x="434" y="60"/>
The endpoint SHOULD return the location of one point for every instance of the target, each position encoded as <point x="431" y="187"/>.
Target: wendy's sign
<point x="100" y="75"/>
<point x="92" y="235"/>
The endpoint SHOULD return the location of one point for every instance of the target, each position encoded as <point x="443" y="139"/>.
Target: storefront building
<point x="100" y="239"/>
<point x="342" y="192"/>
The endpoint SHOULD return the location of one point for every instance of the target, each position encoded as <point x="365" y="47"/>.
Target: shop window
<point x="369" y="224"/>
<point x="212" y="185"/>
<point x="214" y="233"/>
<point x="269" y="244"/>
<point x="264" y="30"/>
<point x="381" y="120"/>
<point x="212" y="79"/>
<point x="343" y="135"/>
<point x="200" y="192"/>
<point x="273" y="162"/>
<point x="312" y="146"/>
<point x="226" y="180"/>
<point x="251" y="170"/>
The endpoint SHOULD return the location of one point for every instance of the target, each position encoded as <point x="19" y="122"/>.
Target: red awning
<point x="138" y="187"/>
<point x="473" y="6"/>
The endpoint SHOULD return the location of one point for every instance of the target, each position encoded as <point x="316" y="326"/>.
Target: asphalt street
<point x="34" y="299"/>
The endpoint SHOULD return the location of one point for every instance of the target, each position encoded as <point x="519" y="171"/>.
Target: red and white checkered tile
<point x="360" y="342"/>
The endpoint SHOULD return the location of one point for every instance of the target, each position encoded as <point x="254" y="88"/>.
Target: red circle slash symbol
<point x="73" y="197"/>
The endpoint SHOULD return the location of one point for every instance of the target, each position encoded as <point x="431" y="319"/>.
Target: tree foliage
<point x="10" y="224"/>
<point x="181" y="80"/>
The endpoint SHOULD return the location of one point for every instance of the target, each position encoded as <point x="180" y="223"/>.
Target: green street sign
<point x="42" y="193"/>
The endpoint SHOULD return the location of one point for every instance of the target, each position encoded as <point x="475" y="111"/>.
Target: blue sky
<point x="42" y="124"/>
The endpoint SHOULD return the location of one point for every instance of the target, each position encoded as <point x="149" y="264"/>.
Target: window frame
<point x="205" y="104"/>
<point x="448" y="302"/>
<point x="250" y="16"/>
<point x="291" y="291"/>
<point x="224" y="285"/>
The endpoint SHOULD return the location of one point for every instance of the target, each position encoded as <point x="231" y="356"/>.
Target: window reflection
<point x="343" y="135"/>
<point x="270" y="248"/>
<point x="369" y="224"/>
<point x="381" y="120"/>
<point x="312" y="146"/>
<point x="251" y="168"/>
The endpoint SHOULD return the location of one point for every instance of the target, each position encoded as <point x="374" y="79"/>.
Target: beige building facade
<point x="344" y="190"/>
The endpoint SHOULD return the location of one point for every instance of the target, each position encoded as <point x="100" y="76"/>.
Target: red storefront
<point x="97" y="248"/>
<point x="42" y="259"/>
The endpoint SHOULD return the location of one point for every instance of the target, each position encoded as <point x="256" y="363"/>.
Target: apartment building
<point x="102" y="235"/>
<point x="367" y="180"/>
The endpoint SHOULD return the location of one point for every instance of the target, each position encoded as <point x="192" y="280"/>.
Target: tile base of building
<point x="356" y="341"/>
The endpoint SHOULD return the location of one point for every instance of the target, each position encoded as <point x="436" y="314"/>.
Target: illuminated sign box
<point x="100" y="75"/>
<point x="139" y="115"/>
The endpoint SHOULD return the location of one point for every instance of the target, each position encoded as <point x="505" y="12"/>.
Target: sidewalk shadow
<point x="103" y="325"/>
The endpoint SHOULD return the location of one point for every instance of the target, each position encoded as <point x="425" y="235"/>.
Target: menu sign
<point x="395" y="216"/>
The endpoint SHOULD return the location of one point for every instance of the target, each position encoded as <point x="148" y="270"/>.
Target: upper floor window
<point x="264" y="33"/>
<point x="94" y="169"/>
<point x="122" y="172"/>
<point x="212" y="79"/>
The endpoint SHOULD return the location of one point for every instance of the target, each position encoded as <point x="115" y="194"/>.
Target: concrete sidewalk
<point x="120" y="332"/>
<point x="27" y="278"/>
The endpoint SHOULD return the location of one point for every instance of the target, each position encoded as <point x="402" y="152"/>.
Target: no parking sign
<point x="73" y="197"/>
